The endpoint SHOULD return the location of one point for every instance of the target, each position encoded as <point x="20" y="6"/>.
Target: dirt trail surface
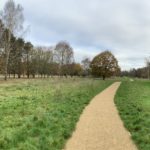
<point x="100" y="127"/>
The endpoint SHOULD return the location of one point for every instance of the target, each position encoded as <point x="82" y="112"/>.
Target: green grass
<point x="133" y="102"/>
<point x="41" y="114"/>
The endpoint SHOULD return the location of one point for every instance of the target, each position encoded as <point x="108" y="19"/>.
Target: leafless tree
<point x="63" y="53"/>
<point x="86" y="66"/>
<point x="86" y="63"/>
<point x="12" y="18"/>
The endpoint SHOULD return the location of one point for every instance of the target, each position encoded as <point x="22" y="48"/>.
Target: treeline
<point x="21" y="58"/>
<point x="138" y="73"/>
<point x="25" y="60"/>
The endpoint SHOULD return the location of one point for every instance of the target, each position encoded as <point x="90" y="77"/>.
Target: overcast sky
<point x="91" y="26"/>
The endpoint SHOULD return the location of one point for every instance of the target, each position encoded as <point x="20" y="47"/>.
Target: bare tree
<point x="12" y="18"/>
<point x="148" y="67"/>
<point x="63" y="53"/>
<point x="86" y="66"/>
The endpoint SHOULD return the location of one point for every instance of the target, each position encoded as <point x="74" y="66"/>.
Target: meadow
<point x="133" y="102"/>
<point x="40" y="114"/>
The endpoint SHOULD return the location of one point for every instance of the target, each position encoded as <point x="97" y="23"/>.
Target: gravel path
<point x="100" y="127"/>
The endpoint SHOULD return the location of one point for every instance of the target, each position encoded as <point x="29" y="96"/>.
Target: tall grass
<point x="41" y="114"/>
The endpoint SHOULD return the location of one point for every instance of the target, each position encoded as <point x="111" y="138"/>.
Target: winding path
<point x="100" y="127"/>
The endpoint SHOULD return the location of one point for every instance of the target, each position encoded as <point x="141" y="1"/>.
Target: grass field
<point x="41" y="114"/>
<point x="133" y="102"/>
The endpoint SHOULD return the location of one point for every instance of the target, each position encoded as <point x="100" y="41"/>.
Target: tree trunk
<point x="6" y="65"/>
<point x="149" y="72"/>
<point x="19" y="76"/>
<point x="7" y="51"/>
<point x="33" y="75"/>
<point x="28" y="74"/>
<point x="103" y="77"/>
<point x="6" y="61"/>
<point x="14" y="75"/>
<point x="19" y="69"/>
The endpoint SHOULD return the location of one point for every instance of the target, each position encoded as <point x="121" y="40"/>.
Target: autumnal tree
<point x="75" y="69"/>
<point x="53" y="68"/>
<point x="105" y="65"/>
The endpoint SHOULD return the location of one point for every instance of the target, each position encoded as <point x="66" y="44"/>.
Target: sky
<point x="91" y="26"/>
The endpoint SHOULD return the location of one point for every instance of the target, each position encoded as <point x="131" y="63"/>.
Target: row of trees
<point x="27" y="60"/>
<point x="21" y="58"/>
<point x="143" y="72"/>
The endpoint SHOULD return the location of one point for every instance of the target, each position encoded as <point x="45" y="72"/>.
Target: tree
<point x="138" y="73"/>
<point x="104" y="65"/>
<point x="28" y="47"/>
<point x="63" y="55"/>
<point x="44" y="58"/>
<point x="33" y="62"/>
<point x="148" y="67"/>
<point x="15" y="57"/>
<point x="12" y="66"/>
<point x="1" y="31"/>
<point x="54" y="68"/>
<point x="19" y="52"/>
<point x="86" y="66"/>
<point x="76" y="69"/>
<point x="12" y="18"/>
